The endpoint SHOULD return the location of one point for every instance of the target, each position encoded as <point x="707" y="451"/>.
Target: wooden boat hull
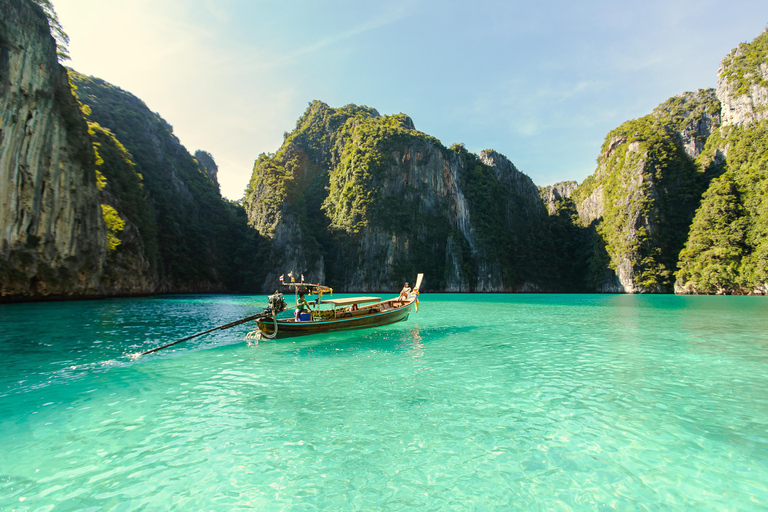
<point x="289" y="327"/>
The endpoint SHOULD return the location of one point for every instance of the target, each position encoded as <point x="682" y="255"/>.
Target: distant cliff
<point x="555" y="194"/>
<point x="365" y="201"/>
<point x="53" y="238"/>
<point x="208" y="164"/>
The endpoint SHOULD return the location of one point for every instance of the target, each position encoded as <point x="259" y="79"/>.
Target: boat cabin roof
<point x="310" y="287"/>
<point x="351" y="300"/>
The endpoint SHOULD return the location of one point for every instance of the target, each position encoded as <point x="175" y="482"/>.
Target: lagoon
<point x="477" y="402"/>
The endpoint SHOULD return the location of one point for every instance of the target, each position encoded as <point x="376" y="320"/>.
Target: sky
<point x="540" y="82"/>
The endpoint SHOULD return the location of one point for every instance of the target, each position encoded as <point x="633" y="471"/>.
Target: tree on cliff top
<point x="57" y="31"/>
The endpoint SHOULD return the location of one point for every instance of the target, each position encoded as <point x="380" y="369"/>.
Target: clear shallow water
<point x="478" y="402"/>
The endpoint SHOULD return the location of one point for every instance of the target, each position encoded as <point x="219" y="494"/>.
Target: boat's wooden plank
<point x="419" y="279"/>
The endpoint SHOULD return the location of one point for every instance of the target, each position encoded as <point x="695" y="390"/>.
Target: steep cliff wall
<point x="365" y="201"/>
<point x="202" y="240"/>
<point x="53" y="240"/>
<point x="727" y="250"/>
<point x="742" y="83"/>
<point x="133" y="252"/>
<point x="642" y="197"/>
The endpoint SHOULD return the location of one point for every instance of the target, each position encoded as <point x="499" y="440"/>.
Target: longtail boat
<point x="332" y="315"/>
<point x="338" y="315"/>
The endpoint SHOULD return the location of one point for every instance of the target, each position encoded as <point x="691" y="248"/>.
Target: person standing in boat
<point x="302" y="306"/>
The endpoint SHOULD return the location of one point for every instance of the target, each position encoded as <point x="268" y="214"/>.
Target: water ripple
<point x="542" y="402"/>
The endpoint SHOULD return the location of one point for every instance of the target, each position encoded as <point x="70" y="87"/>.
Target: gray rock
<point x="742" y="108"/>
<point x="554" y="194"/>
<point x="52" y="234"/>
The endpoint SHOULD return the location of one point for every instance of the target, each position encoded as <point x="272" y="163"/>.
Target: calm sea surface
<point x="478" y="402"/>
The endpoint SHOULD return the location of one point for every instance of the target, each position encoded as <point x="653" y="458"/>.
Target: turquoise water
<point x="478" y="402"/>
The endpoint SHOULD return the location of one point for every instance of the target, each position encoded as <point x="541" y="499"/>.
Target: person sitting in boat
<point x="302" y="309"/>
<point x="405" y="292"/>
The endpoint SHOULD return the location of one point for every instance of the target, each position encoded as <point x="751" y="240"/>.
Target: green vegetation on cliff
<point x="727" y="251"/>
<point x="359" y="192"/>
<point x="199" y="239"/>
<point x="650" y="190"/>
<point x="744" y="66"/>
<point x="124" y="200"/>
<point x="298" y="172"/>
<point x="369" y="200"/>
<point x="114" y="224"/>
<point x="679" y="111"/>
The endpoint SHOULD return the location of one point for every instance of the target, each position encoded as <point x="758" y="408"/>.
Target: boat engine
<point x="277" y="303"/>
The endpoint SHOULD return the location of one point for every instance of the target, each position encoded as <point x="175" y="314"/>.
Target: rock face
<point x="642" y="197"/>
<point x="693" y="116"/>
<point x="202" y="243"/>
<point x="208" y="164"/>
<point x="53" y="236"/>
<point x="742" y="83"/>
<point x="364" y="202"/>
<point x="132" y="256"/>
<point x="727" y="248"/>
<point x="553" y="194"/>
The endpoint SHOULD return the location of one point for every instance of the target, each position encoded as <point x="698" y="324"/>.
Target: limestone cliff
<point x="208" y="164"/>
<point x="133" y="255"/>
<point x="53" y="236"/>
<point x="202" y="242"/>
<point x="742" y="83"/>
<point x="693" y="116"/>
<point x="727" y="249"/>
<point x="554" y="194"/>
<point x="642" y="197"/>
<point x="365" y="201"/>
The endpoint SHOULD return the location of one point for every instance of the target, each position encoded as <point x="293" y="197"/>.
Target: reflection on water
<point x="522" y="401"/>
<point x="417" y="345"/>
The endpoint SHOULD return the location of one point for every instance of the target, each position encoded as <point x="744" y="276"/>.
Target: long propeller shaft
<point x="220" y="327"/>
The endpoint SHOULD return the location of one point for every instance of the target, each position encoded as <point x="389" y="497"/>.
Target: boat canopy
<point x="310" y="287"/>
<point x="351" y="300"/>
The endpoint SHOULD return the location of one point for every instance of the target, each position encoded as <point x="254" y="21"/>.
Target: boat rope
<point x="258" y="334"/>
